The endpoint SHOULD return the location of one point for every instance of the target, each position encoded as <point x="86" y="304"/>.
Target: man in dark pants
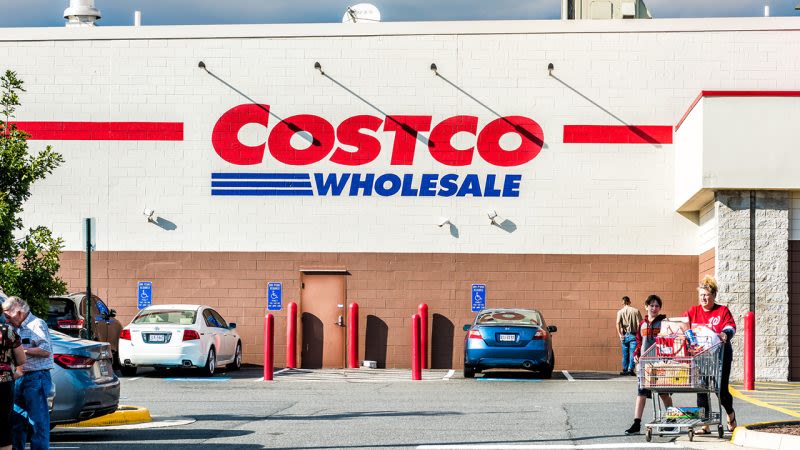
<point x="628" y="319"/>
<point x="35" y="385"/>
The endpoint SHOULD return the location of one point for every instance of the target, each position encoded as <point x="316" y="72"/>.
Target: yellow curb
<point x="124" y="415"/>
<point x="735" y="392"/>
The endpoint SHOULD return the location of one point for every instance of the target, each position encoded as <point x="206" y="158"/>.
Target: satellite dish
<point x="361" y="13"/>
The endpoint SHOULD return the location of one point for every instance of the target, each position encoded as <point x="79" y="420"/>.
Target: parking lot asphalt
<point x="362" y="408"/>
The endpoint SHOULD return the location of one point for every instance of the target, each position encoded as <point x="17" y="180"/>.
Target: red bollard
<point x="422" y="309"/>
<point x="749" y="351"/>
<point x="352" y="336"/>
<point x="291" y="335"/>
<point x="269" y="344"/>
<point x="416" y="369"/>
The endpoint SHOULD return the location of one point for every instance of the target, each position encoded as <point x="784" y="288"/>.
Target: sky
<point x="49" y="13"/>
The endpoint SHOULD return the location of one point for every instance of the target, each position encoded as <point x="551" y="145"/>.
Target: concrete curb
<point x="745" y="437"/>
<point x="124" y="415"/>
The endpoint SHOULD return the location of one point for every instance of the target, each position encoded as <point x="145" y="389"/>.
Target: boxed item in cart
<point x="685" y="412"/>
<point x="666" y="374"/>
<point x="671" y="346"/>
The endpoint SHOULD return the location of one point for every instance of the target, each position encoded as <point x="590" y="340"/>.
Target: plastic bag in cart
<point x="706" y="337"/>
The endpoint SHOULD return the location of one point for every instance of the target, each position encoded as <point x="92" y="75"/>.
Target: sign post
<point x="478" y="297"/>
<point x="274" y="296"/>
<point x="145" y="295"/>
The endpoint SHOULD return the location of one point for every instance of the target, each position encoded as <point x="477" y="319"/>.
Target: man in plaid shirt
<point x="35" y="385"/>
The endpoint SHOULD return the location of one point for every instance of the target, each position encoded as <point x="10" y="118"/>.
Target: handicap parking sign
<point x="274" y="296"/>
<point x="478" y="297"/>
<point x="145" y="296"/>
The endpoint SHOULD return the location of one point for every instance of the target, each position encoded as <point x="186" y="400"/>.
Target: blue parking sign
<point x="478" y="297"/>
<point x="145" y="295"/>
<point x="274" y="296"/>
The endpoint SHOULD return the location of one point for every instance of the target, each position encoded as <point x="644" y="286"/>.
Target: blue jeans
<point x="628" y="346"/>
<point x="31" y="396"/>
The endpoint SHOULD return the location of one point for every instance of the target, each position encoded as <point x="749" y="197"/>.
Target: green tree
<point x="28" y="262"/>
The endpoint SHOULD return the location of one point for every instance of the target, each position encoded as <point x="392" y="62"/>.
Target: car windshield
<point x="166" y="316"/>
<point x="515" y="317"/>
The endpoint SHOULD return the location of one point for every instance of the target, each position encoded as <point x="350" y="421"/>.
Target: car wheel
<point x="548" y="370"/>
<point x="211" y="363"/>
<point x="237" y="358"/>
<point x="115" y="362"/>
<point x="469" y="371"/>
<point x="128" y="371"/>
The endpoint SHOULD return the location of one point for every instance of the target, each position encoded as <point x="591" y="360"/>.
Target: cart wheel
<point x="648" y="435"/>
<point x="720" y="431"/>
<point x="691" y="434"/>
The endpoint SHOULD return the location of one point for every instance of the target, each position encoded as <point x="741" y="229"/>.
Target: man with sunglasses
<point x="35" y="385"/>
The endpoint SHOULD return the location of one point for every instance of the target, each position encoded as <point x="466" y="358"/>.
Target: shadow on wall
<point x="311" y="352"/>
<point x="376" y="340"/>
<point x="441" y="342"/>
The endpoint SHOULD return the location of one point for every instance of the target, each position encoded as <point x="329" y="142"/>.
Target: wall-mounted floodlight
<point x="434" y="69"/>
<point x="318" y="66"/>
<point x="149" y="213"/>
<point x="494" y="219"/>
<point x="443" y="221"/>
<point x="550" y="68"/>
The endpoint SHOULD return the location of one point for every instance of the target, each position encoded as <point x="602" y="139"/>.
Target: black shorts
<point x="6" y="409"/>
<point x="648" y="393"/>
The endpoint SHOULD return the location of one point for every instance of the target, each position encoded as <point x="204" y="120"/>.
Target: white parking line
<point x="273" y="373"/>
<point x="544" y="447"/>
<point x="449" y="374"/>
<point x="134" y="378"/>
<point x="567" y="375"/>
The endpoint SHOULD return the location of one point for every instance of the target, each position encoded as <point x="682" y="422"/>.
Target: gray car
<point x="84" y="380"/>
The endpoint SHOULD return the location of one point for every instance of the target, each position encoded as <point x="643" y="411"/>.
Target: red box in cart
<point x="671" y="346"/>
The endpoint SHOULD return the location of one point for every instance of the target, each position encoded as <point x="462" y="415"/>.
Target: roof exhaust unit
<point x="81" y="13"/>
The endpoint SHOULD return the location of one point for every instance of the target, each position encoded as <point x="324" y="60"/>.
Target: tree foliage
<point x="28" y="261"/>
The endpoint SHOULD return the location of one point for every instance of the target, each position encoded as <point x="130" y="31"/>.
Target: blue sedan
<point x="84" y="381"/>
<point x="509" y="339"/>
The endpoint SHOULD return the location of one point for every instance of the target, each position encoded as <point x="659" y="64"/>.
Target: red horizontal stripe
<point x="103" y="131"/>
<point x="617" y="134"/>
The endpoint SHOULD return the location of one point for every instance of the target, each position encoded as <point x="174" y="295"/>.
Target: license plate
<point x="105" y="369"/>
<point x="157" y="338"/>
<point x="507" y="337"/>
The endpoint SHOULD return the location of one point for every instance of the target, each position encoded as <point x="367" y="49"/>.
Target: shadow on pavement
<point x="248" y="371"/>
<point x="489" y="443"/>
<point x="498" y="374"/>
<point x="144" y="435"/>
<point x="316" y="417"/>
<point x="598" y="376"/>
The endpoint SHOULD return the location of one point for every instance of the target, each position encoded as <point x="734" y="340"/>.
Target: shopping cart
<point x="672" y="366"/>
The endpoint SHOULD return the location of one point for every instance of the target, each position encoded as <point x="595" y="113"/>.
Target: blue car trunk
<point x="505" y="336"/>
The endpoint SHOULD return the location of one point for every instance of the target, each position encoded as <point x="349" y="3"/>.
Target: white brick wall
<point x="708" y="228"/>
<point x="575" y="198"/>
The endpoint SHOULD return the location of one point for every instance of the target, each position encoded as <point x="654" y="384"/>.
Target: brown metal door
<point x="322" y="301"/>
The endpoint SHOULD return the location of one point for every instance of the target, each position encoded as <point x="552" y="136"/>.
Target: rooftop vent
<point x="81" y="13"/>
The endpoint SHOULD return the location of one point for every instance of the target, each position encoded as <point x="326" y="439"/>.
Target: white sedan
<point x="179" y="336"/>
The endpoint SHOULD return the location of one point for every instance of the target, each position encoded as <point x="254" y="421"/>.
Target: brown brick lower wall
<point x="578" y="293"/>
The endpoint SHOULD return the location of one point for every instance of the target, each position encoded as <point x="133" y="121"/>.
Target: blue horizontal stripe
<point x="270" y="192"/>
<point x="260" y="176"/>
<point x="262" y="184"/>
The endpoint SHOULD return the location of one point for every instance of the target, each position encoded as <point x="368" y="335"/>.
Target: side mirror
<point x="552" y="328"/>
<point x="112" y="313"/>
<point x="467" y="327"/>
<point x="231" y="326"/>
